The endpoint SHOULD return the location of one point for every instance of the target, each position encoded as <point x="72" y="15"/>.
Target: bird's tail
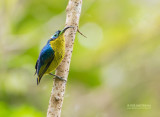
<point x="38" y="80"/>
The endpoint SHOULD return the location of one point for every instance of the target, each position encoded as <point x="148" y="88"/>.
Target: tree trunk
<point x="73" y="12"/>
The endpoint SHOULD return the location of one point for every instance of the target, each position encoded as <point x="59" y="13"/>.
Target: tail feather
<point x="38" y="80"/>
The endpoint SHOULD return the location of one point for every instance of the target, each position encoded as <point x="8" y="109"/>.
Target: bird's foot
<point x="55" y="76"/>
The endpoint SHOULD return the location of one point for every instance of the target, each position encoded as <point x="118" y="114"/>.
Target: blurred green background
<point x="114" y="72"/>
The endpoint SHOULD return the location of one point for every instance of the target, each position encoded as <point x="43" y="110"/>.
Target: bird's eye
<point x="55" y="35"/>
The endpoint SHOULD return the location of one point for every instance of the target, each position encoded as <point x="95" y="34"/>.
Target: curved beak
<point x="66" y="29"/>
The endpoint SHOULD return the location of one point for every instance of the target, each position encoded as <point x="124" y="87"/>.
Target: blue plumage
<point x="44" y="60"/>
<point x="45" y="55"/>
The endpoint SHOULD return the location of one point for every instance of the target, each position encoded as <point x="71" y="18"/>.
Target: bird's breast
<point x="59" y="51"/>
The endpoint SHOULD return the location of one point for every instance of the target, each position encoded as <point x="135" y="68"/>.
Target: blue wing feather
<point x="45" y="58"/>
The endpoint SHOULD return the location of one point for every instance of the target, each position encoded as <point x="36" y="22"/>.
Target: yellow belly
<point x="56" y="61"/>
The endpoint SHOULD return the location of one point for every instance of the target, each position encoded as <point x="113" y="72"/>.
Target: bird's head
<point x="58" y="34"/>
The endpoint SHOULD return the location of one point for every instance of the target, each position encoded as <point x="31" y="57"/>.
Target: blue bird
<point x="51" y="55"/>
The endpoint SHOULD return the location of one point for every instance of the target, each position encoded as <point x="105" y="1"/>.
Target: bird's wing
<point x="45" y="66"/>
<point x="45" y="59"/>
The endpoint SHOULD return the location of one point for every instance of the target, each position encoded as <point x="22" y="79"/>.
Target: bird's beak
<point x="66" y="29"/>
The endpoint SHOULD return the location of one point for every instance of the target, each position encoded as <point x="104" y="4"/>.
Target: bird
<point x="51" y="55"/>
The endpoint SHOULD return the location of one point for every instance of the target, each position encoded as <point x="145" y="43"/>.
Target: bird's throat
<point x="58" y="44"/>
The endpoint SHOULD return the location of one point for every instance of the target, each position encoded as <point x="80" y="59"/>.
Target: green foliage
<point x="23" y="111"/>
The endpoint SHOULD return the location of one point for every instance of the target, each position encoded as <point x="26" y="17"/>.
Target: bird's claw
<point x="60" y="78"/>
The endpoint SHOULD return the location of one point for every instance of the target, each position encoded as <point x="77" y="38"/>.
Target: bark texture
<point x="73" y="12"/>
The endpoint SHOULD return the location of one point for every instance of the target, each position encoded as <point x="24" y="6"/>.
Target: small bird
<point x="51" y="55"/>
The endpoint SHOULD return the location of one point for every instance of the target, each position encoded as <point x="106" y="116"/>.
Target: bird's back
<point x="46" y="56"/>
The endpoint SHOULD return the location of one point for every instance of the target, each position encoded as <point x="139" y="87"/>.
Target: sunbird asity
<point x="51" y="55"/>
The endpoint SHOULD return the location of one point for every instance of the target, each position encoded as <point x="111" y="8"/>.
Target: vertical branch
<point x="73" y="12"/>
